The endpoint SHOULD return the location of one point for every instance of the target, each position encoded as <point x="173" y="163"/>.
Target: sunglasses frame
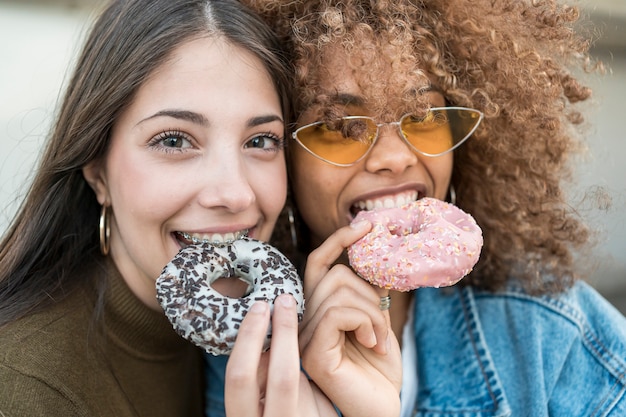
<point x="398" y="124"/>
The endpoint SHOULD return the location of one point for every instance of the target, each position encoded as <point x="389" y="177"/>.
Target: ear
<point x="95" y="175"/>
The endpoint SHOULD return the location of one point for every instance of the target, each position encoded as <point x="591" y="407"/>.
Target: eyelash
<point x="156" y="142"/>
<point x="279" y="141"/>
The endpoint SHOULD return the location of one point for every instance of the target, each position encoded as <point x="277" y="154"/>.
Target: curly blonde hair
<point x="516" y="61"/>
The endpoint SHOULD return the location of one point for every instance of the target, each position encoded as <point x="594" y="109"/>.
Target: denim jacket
<point x="502" y="354"/>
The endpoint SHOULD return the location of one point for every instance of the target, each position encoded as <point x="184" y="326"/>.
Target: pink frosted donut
<point x="427" y="243"/>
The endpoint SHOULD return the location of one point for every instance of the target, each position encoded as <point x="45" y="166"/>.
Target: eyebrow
<point x="261" y="120"/>
<point x="199" y="119"/>
<point x="348" y="99"/>
<point x="189" y="116"/>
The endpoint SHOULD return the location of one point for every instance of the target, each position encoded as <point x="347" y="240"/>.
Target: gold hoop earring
<point x="452" y="194"/>
<point x="104" y="228"/>
<point x="292" y="227"/>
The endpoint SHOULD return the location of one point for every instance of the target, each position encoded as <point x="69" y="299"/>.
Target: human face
<point x="199" y="153"/>
<point x="328" y="196"/>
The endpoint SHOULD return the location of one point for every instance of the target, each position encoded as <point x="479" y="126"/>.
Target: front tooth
<point x="389" y="203"/>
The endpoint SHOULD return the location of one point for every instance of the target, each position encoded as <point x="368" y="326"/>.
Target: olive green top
<point x="61" y="363"/>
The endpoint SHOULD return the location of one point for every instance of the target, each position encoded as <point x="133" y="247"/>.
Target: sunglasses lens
<point x="440" y="130"/>
<point x="342" y="141"/>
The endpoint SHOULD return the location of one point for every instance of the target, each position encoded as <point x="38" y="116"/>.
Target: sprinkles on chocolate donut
<point x="204" y="316"/>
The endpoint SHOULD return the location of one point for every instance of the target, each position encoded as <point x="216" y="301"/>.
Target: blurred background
<point x="39" y="39"/>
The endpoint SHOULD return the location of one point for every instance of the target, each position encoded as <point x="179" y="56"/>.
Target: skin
<point x="346" y="347"/>
<point x="326" y="196"/>
<point x="176" y="155"/>
<point x="391" y="168"/>
<point x="178" y="152"/>
<point x="345" y="343"/>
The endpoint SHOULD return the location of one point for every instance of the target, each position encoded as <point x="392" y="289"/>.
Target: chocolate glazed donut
<point x="204" y="316"/>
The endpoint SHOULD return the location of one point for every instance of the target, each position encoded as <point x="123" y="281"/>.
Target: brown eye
<point x="172" y="140"/>
<point x="265" y="141"/>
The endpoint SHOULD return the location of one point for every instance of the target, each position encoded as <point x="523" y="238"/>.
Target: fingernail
<point x="286" y="300"/>
<point x="362" y="224"/>
<point x="258" y="308"/>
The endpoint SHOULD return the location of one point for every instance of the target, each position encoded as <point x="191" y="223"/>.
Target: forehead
<point x="208" y="76"/>
<point x="371" y="76"/>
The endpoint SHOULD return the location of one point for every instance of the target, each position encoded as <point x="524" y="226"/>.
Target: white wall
<point x="38" y="43"/>
<point x="606" y="167"/>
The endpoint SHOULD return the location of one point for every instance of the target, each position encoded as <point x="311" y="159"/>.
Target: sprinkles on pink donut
<point x="427" y="243"/>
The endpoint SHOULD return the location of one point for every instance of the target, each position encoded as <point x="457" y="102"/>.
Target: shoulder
<point x="38" y="356"/>
<point x="58" y="326"/>
<point x="21" y="395"/>
<point x="566" y="351"/>
<point x="580" y="313"/>
<point x="570" y="346"/>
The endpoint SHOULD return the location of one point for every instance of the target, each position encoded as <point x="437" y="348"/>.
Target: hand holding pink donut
<point x="427" y="243"/>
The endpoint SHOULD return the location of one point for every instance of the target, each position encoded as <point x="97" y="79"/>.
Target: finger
<point x="340" y="288"/>
<point x="321" y="259"/>
<point x="344" y="297"/>
<point x="325" y="350"/>
<point x="284" y="367"/>
<point x="242" y="387"/>
<point x="337" y="278"/>
<point x="384" y="293"/>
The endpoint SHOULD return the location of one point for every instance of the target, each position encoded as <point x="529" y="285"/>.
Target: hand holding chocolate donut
<point x="427" y="243"/>
<point x="204" y="316"/>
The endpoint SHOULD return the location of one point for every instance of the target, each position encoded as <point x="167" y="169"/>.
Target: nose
<point x="226" y="185"/>
<point x="390" y="153"/>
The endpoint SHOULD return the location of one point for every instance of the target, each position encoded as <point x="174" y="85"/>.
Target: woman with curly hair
<point x="522" y="334"/>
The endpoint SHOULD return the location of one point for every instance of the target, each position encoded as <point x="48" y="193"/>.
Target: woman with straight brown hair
<point x="172" y="129"/>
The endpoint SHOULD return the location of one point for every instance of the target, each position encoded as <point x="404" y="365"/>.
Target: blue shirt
<point x="508" y="353"/>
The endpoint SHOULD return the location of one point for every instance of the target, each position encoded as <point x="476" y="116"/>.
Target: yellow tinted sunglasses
<point x="345" y="141"/>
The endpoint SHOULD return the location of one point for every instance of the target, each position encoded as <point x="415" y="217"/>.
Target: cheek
<point x="440" y="171"/>
<point x="270" y="188"/>
<point x="144" y="191"/>
<point x="312" y="178"/>
<point x="316" y="192"/>
<point x="304" y="178"/>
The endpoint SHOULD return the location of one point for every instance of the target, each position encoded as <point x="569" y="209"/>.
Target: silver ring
<point x="385" y="303"/>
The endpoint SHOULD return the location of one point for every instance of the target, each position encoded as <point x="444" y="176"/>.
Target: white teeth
<point x="214" y="238"/>
<point x="388" y="201"/>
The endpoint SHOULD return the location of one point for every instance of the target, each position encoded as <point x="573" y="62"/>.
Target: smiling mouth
<point x="187" y="239"/>
<point x="388" y="201"/>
